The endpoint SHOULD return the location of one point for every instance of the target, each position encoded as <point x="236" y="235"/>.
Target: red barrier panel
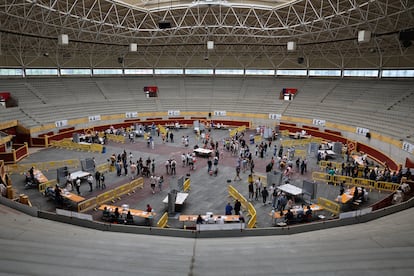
<point x="379" y="156"/>
<point x="66" y="129"/>
<point x="50" y="133"/>
<point x="21" y="152"/>
<point x="409" y="163"/>
<point x="311" y="127"/>
<point x="333" y="132"/>
<point x="38" y="142"/>
<point x="287" y="124"/>
<point x="132" y="120"/>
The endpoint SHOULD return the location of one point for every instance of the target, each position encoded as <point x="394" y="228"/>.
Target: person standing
<point x="103" y="181"/>
<point x="258" y="187"/>
<point x="229" y="209"/>
<point x="78" y="183"/>
<point x="153" y="166"/>
<point x="97" y="179"/>
<point x="265" y="194"/>
<point x="251" y="187"/>
<point x="90" y="182"/>
<point x="237" y="207"/>
<point x="133" y="167"/>
<point x="173" y="166"/>
<point x="209" y="164"/>
<point x="237" y="177"/>
<point x="251" y="190"/>
<point x="183" y="159"/>
<point x="152" y="183"/>
<point x="160" y="182"/>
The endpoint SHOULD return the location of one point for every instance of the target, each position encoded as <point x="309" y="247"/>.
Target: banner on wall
<point x="319" y="122"/>
<point x="274" y="116"/>
<point x="362" y="131"/>
<point x="173" y="112"/>
<point x="220" y="113"/>
<point x="94" y="118"/>
<point x="131" y="115"/>
<point x="61" y="123"/>
<point x="408" y="147"/>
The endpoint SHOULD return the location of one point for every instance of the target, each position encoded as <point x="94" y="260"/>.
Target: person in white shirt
<point x="90" y="181"/>
<point x="78" y="183"/>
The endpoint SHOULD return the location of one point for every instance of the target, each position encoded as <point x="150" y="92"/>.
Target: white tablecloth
<point x="290" y="189"/>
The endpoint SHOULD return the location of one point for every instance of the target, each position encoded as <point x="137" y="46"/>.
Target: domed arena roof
<point x="245" y="34"/>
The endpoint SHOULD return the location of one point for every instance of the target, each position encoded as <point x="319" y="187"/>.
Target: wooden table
<point x="134" y="212"/>
<point x="203" y="152"/>
<point x="72" y="197"/>
<point x="359" y="159"/>
<point x="227" y="218"/>
<point x="39" y="176"/>
<point x="346" y="196"/>
<point x="314" y="207"/>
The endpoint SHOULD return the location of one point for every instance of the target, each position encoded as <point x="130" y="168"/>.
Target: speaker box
<point x="364" y="36"/>
<point x="120" y="60"/>
<point x="291" y="46"/>
<point x="407" y="35"/>
<point x="164" y="25"/>
<point x="368" y="135"/>
<point x="63" y="39"/>
<point x="133" y="47"/>
<point x="75" y="137"/>
<point x="209" y="114"/>
<point x="301" y="60"/>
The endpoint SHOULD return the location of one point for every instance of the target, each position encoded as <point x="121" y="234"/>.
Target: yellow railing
<point x="163" y="221"/>
<point x="122" y="190"/>
<point x="116" y="138"/>
<point x="236" y="130"/>
<point x="320" y="176"/>
<point x="136" y="183"/>
<point x="329" y="205"/>
<point x="68" y="144"/>
<point x="245" y="204"/>
<point x="105" y="197"/>
<point x="300" y="153"/>
<point x="42" y="186"/>
<point x="366" y="183"/>
<point x="338" y="179"/>
<point x="253" y="216"/>
<point x="387" y="186"/>
<point x="43" y="166"/>
<point x="324" y="164"/>
<point x="284" y="133"/>
<point x="361" y="182"/>
<point x="87" y="204"/>
<point x="111" y="195"/>
<point x="103" y="168"/>
<point x="187" y="185"/>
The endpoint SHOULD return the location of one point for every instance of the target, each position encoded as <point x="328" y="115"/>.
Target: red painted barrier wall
<point x="378" y="155"/>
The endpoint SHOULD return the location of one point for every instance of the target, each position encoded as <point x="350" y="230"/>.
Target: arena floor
<point x="208" y="192"/>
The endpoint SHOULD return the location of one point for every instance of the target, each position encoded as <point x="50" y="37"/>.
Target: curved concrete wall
<point x="228" y="233"/>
